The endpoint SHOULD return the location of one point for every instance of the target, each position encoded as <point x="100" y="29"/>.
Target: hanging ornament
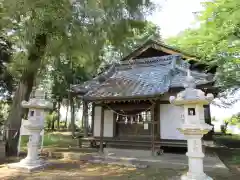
<point x="126" y="120"/>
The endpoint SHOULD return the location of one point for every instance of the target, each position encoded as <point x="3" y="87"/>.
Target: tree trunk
<point x="66" y="118"/>
<point x="58" y="116"/>
<point x="82" y="120"/>
<point x="23" y="92"/>
<point x="53" y="125"/>
<point x="72" y="125"/>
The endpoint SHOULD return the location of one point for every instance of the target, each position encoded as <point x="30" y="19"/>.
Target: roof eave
<point x="151" y="43"/>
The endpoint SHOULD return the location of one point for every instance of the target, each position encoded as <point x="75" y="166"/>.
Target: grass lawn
<point x="231" y="154"/>
<point x="54" y="139"/>
<point x="231" y="141"/>
<point x="71" y="170"/>
<point x="230" y="157"/>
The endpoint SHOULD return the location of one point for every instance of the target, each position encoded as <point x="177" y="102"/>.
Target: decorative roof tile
<point x="143" y="77"/>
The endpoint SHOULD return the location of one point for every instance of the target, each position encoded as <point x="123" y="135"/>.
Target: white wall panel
<point x="170" y="120"/>
<point x="108" y="122"/>
<point x="97" y="120"/>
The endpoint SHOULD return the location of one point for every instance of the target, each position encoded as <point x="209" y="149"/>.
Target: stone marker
<point x="35" y="125"/>
<point x="2" y="144"/>
<point x="194" y="126"/>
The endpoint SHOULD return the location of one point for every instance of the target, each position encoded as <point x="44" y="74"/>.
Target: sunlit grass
<point x="53" y="140"/>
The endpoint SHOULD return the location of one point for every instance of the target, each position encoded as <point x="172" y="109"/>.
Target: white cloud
<point x="175" y="15"/>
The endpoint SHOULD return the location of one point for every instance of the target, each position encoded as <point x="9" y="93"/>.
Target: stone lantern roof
<point x="191" y="95"/>
<point x="38" y="102"/>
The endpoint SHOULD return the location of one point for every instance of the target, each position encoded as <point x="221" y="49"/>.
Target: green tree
<point x="64" y="71"/>
<point x="216" y="41"/>
<point x="44" y="30"/>
<point x="234" y="120"/>
<point x="6" y="79"/>
<point x="214" y="119"/>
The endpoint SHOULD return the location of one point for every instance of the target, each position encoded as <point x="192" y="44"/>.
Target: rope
<point x="125" y="113"/>
<point x="15" y="135"/>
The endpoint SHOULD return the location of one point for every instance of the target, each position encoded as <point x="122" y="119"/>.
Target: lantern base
<point x="193" y="176"/>
<point x="28" y="167"/>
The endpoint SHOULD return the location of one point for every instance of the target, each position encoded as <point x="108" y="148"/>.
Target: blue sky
<point x="173" y="17"/>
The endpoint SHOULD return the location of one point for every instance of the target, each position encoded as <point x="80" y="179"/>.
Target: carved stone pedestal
<point x="190" y="176"/>
<point x="32" y="161"/>
<point x="34" y="126"/>
<point x="195" y="156"/>
<point x="194" y="126"/>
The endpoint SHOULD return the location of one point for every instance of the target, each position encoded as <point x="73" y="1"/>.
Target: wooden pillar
<point x="93" y="118"/>
<point x="101" y="129"/>
<point x="157" y="119"/>
<point x="72" y="104"/>
<point x="85" y="118"/>
<point x="153" y="128"/>
<point x="207" y="116"/>
<point x="114" y="124"/>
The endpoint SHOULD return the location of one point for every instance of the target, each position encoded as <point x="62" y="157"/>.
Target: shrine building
<point x="130" y="99"/>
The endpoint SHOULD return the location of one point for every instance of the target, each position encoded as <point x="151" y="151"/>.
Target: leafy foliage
<point x="4" y="108"/>
<point x="56" y="42"/>
<point x="75" y="29"/>
<point x="216" y="40"/>
<point x="6" y="80"/>
<point x="234" y="120"/>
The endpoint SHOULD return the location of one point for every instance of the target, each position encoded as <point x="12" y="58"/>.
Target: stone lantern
<point x="194" y="126"/>
<point x="34" y="125"/>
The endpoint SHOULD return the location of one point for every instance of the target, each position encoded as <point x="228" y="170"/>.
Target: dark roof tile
<point x="150" y="76"/>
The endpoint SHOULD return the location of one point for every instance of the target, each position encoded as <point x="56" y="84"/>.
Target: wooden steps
<point x="134" y="143"/>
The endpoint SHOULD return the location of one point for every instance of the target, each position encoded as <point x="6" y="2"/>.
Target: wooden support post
<point x="93" y="119"/>
<point x="153" y="128"/>
<point x="72" y="127"/>
<point x="157" y="119"/>
<point x="207" y="114"/>
<point x="101" y="129"/>
<point x="114" y="124"/>
<point x="85" y="118"/>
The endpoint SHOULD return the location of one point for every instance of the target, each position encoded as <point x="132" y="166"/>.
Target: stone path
<point x="167" y="160"/>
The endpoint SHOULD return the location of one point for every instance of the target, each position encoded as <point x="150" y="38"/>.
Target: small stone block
<point x="189" y="176"/>
<point x="28" y="168"/>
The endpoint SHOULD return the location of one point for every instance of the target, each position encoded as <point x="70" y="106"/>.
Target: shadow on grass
<point x="230" y="141"/>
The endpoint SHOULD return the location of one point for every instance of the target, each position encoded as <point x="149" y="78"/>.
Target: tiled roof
<point x="144" y="77"/>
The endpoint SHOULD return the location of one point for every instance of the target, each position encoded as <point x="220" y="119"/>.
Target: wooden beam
<point x="101" y="129"/>
<point x="129" y="106"/>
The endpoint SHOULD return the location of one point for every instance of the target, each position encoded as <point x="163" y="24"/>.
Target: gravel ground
<point x="71" y="170"/>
